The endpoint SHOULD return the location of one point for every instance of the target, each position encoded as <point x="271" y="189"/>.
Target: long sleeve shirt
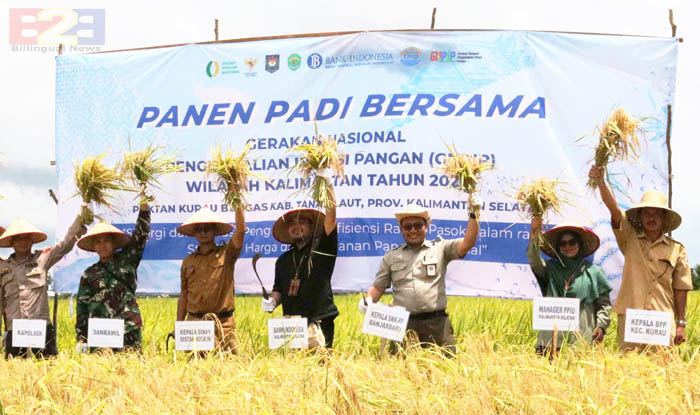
<point x="108" y="289"/>
<point x="23" y="290"/>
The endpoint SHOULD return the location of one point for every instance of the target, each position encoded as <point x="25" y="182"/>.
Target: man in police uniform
<point x="23" y="289"/>
<point x="416" y="273"/>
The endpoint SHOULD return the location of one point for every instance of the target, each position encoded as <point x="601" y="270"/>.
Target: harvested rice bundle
<point x="143" y="168"/>
<point x="318" y="160"/>
<point x="618" y="140"/>
<point x="465" y="170"/>
<point x="542" y="196"/>
<point x="96" y="184"/>
<point x="233" y="170"/>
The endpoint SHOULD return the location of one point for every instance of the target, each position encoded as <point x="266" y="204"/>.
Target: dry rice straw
<point x="233" y="170"/>
<point x="322" y="154"/>
<point x="465" y="170"/>
<point x="618" y="140"/>
<point x="96" y="184"/>
<point x="542" y="196"/>
<point x="143" y="168"/>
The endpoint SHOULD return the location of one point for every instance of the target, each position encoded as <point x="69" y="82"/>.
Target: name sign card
<point x="550" y="311"/>
<point x="194" y="335"/>
<point x="648" y="327"/>
<point x="292" y="331"/>
<point x="28" y="333"/>
<point x="106" y="332"/>
<point x="384" y="321"/>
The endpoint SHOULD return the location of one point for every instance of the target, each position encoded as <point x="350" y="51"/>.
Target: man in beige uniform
<point x="656" y="275"/>
<point x="416" y="273"/>
<point x="206" y="277"/>
<point x="23" y="290"/>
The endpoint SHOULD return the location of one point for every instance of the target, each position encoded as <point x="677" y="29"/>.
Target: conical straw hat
<point x="20" y="227"/>
<point x="87" y="242"/>
<point x="204" y="216"/>
<point x="654" y="199"/>
<point x="591" y="242"/>
<point x="280" y="230"/>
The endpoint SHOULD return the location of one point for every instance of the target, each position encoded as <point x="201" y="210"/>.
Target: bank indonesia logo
<point x="57" y="26"/>
<point x="314" y="61"/>
<point x="213" y="69"/>
<point x="272" y="63"/>
<point x="410" y="56"/>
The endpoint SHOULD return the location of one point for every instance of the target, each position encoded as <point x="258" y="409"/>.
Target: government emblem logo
<point x="272" y="63"/>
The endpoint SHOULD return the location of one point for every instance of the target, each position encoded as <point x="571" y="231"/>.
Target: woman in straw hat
<point x="23" y="288"/>
<point x="108" y="287"/>
<point x="656" y="275"/>
<point x="568" y="274"/>
<point x="206" y="276"/>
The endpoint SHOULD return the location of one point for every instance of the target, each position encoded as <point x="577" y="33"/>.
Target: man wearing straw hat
<point x="416" y="272"/>
<point x="303" y="273"/>
<point x="656" y="275"/>
<point x="108" y="288"/>
<point x="206" y="276"/>
<point x="23" y="290"/>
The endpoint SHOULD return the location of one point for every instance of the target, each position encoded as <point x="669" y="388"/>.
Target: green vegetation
<point x="495" y="371"/>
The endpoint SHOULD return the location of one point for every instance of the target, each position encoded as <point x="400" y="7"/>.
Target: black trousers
<point x="328" y="329"/>
<point x="49" y="350"/>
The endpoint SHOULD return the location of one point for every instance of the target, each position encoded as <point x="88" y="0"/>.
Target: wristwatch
<point x="682" y="323"/>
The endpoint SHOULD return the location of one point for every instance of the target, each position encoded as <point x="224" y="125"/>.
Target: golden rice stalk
<point x="143" y="168"/>
<point x="465" y="170"/>
<point x="322" y="154"/>
<point x="96" y="184"/>
<point x="619" y="140"/>
<point x="542" y="196"/>
<point x="234" y="171"/>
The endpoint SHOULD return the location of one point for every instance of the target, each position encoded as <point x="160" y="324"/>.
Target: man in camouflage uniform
<point x="108" y="288"/>
<point x="23" y="289"/>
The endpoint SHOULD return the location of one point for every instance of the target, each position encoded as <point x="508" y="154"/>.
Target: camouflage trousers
<point x="224" y="330"/>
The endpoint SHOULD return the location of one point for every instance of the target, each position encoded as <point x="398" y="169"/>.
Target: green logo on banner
<point x="294" y="62"/>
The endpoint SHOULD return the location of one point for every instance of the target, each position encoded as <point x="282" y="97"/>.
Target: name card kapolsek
<point x="28" y="333"/>
<point x="548" y="312"/>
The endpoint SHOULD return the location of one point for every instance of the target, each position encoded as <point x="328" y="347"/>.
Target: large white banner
<point x="392" y="99"/>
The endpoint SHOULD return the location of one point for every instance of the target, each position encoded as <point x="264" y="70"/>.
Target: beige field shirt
<point x="207" y="280"/>
<point x="405" y="269"/>
<point x="23" y="291"/>
<point x="652" y="270"/>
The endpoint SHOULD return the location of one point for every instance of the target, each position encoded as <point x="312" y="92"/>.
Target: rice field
<point x="495" y="372"/>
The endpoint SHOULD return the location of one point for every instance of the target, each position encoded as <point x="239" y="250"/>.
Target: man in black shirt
<point x="303" y="273"/>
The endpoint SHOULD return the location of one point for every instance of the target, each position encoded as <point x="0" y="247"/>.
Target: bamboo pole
<point x="432" y="22"/>
<point x="669" y="118"/>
